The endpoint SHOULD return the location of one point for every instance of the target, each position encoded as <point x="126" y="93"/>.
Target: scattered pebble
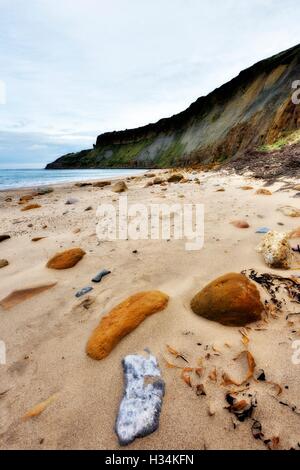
<point x="83" y="291"/>
<point x="263" y="230"/>
<point x="100" y="275"/>
<point x="4" y="237"/>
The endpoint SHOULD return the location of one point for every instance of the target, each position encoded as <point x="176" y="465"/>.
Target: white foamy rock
<point x="142" y="401"/>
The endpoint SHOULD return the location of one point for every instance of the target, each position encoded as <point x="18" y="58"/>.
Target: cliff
<point x="254" y="109"/>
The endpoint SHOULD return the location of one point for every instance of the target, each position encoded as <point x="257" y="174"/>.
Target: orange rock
<point x="123" y="319"/>
<point x="246" y="188"/>
<point x="231" y="300"/>
<point x="26" y="198"/>
<point x="263" y="192"/>
<point x="30" y="206"/>
<point x="240" y="224"/>
<point x="66" y="259"/>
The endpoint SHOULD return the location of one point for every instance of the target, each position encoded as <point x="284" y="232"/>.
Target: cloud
<point x="74" y="69"/>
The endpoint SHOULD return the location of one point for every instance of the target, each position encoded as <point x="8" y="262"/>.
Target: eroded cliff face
<point x="251" y="110"/>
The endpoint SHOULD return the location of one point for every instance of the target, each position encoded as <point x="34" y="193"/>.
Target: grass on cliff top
<point x="289" y="139"/>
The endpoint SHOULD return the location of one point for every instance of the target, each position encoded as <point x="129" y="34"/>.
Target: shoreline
<point x="67" y="183"/>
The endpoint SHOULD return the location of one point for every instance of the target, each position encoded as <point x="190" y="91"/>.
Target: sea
<point x="22" y="178"/>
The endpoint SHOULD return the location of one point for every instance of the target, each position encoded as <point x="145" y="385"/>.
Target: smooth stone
<point x="3" y="263"/>
<point x="66" y="259"/>
<point x="231" y="300"/>
<point x="289" y="211"/>
<point x="44" y="190"/>
<point x="71" y="200"/>
<point x="119" y="187"/>
<point x="176" y="178"/>
<point x="100" y="275"/>
<point x="141" y="404"/>
<point x="83" y="291"/>
<point x="263" y="192"/>
<point x="263" y="230"/>
<point x="101" y="184"/>
<point x="4" y="237"/>
<point x="123" y="319"/>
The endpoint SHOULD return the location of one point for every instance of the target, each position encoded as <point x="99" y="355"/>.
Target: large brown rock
<point x="231" y="300"/>
<point x="66" y="259"/>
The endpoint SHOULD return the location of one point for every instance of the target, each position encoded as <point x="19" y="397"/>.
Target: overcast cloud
<point x="75" y="68"/>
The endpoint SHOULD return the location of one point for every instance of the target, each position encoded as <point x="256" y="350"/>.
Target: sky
<point x="72" y="69"/>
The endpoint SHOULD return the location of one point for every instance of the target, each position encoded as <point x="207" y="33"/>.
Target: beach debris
<point x="18" y="296"/>
<point x="76" y="230"/>
<point x="8" y="199"/>
<point x="175" y="178"/>
<point x="119" y="187"/>
<point x="176" y="353"/>
<point x="256" y="430"/>
<point x="66" y="259"/>
<point x="123" y="319"/>
<point x="231" y="300"/>
<point x="276" y="250"/>
<point x="260" y="376"/>
<point x="185" y="375"/>
<point x="263" y="230"/>
<point x="289" y="211"/>
<point x="141" y="404"/>
<point x="101" y="275"/>
<point x="83" y="291"/>
<point x="31" y="207"/>
<point x="200" y="390"/>
<point x="221" y="190"/>
<point x="38" y="409"/>
<point x="227" y="380"/>
<point x="295" y="233"/>
<point x="263" y="192"/>
<point x="42" y="191"/>
<point x="3" y="263"/>
<point x="71" y="200"/>
<point x="296" y="249"/>
<point x="211" y="411"/>
<point x="83" y="304"/>
<point x="101" y="184"/>
<point x="242" y="409"/>
<point x="271" y="284"/>
<point x="89" y="208"/>
<point x="37" y="239"/>
<point x="213" y="376"/>
<point x="246" y="188"/>
<point x="4" y="237"/>
<point x="240" y="224"/>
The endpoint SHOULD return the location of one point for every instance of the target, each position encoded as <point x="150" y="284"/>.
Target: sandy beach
<point x="46" y="335"/>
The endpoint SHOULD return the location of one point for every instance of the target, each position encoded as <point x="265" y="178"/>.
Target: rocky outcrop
<point x="252" y="110"/>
